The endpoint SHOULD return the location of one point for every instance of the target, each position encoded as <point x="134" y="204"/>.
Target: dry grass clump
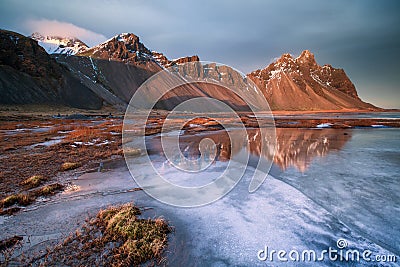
<point x="87" y="133"/>
<point x="83" y="133"/>
<point x="112" y="126"/>
<point x="20" y="199"/>
<point x="9" y="211"/>
<point x="115" y="237"/>
<point x="66" y="166"/>
<point x="115" y="128"/>
<point x="25" y="199"/>
<point x="10" y="242"/>
<point x="33" y="181"/>
<point x="48" y="190"/>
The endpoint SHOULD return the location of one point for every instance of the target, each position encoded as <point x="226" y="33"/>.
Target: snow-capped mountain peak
<point x="124" y="47"/>
<point x="60" y="45"/>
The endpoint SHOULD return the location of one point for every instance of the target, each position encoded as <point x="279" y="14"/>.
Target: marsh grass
<point x="48" y="190"/>
<point x="27" y="198"/>
<point x="9" y="211"/>
<point x="66" y="166"/>
<point x="83" y="133"/>
<point x="25" y="169"/>
<point x="115" y="237"/>
<point x="20" y="199"/>
<point x="88" y="133"/>
<point x="7" y="247"/>
<point x="62" y="128"/>
<point x="9" y="242"/>
<point x="33" y="181"/>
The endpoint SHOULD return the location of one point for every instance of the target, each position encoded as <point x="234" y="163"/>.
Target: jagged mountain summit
<point x="122" y="47"/>
<point x="126" y="47"/>
<point x="60" y="45"/>
<point x="301" y="84"/>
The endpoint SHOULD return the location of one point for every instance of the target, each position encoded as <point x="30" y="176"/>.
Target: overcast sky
<point x="360" y="36"/>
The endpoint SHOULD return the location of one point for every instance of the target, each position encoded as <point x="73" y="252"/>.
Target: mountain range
<point x="60" y="70"/>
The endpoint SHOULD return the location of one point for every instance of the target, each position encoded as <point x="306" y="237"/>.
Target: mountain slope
<point x="28" y="75"/>
<point x="60" y="45"/>
<point x="301" y="84"/>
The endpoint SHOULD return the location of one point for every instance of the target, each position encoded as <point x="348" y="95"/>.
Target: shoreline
<point x="341" y="111"/>
<point x="43" y="110"/>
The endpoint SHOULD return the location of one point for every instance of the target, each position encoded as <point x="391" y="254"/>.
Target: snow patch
<point x="324" y="125"/>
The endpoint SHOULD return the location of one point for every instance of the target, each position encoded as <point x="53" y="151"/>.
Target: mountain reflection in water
<point x="293" y="148"/>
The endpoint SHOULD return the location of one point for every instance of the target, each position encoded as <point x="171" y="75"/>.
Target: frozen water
<point x="350" y="192"/>
<point x="360" y="184"/>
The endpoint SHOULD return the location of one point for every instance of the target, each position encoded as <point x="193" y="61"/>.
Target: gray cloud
<point x="360" y="36"/>
<point x="55" y="27"/>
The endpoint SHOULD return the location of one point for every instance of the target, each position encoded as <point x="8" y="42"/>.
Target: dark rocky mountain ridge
<point x="111" y="73"/>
